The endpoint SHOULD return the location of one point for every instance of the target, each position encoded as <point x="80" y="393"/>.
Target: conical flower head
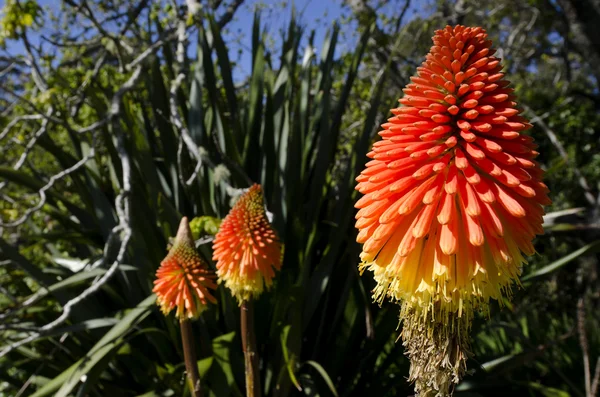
<point x="246" y="248"/>
<point x="452" y="197"/>
<point x="183" y="280"/>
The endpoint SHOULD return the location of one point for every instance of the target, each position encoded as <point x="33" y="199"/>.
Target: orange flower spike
<point x="459" y="95"/>
<point x="246" y="247"/>
<point x="451" y="198"/>
<point x="183" y="280"/>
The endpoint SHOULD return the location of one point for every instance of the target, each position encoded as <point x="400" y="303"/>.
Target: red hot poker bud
<point x="183" y="280"/>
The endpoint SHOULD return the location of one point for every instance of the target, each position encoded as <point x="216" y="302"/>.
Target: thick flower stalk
<point x="452" y="200"/>
<point x="246" y="248"/>
<point x="247" y="252"/>
<point x="183" y="280"/>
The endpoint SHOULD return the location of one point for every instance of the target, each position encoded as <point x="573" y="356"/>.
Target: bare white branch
<point x="30" y="60"/>
<point x="41" y="131"/>
<point x="16" y="121"/>
<point x="42" y="192"/>
<point x="123" y="229"/>
<point x="150" y="50"/>
<point x="184" y="134"/>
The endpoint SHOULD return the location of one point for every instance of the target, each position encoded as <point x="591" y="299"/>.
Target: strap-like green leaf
<point x="587" y="249"/>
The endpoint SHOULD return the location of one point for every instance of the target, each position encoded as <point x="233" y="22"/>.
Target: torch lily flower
<point x="183" y="280"/>
<point x="452" y="199"/>
<point x="246" y="248"/>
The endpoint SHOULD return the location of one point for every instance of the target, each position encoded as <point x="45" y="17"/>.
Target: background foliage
<point x="118" y="117"/>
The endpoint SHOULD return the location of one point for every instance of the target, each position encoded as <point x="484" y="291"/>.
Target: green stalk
<point x="249" y="347"/>
<point x="189" y="354"/>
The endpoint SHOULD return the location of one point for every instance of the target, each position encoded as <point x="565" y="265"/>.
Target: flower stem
<point x="189" y="354"/>
<point x="249" y="347"/>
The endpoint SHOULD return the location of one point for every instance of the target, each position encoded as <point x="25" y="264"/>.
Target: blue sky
<point x="275" y="14"/>
<point x="313" y="14"/>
